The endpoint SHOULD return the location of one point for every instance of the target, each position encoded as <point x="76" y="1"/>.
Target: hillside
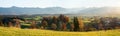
<point x="4" y="31"/>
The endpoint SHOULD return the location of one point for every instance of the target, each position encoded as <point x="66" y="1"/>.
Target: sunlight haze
<point x="60" y="3"/>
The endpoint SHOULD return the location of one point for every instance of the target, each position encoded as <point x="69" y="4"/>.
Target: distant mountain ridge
<point x="18" y="10"/>
<point x="59" y="10"/>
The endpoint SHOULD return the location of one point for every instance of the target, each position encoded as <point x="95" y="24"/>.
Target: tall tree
<point x="61" y="17"/>
<point x="78" y="24"/>
<point x="63" y="20"/>
<point x="54" y="19"/>
<point x="81" y="24"/>
<point x="66" y="19"/>
<point x="44" y="24"/>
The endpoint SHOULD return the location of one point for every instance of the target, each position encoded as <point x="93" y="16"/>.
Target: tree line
<point x="63" y="23"/>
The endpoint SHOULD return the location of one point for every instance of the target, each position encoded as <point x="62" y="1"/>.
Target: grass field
<point x="5" y="31"/>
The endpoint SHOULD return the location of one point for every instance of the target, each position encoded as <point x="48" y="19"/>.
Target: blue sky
<point x="60" y="3"/>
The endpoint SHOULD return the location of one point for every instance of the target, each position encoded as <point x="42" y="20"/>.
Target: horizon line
<point x="54" y="6"/>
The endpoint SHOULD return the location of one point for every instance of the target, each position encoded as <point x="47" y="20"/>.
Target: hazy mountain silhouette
<point x="59" y="10"/>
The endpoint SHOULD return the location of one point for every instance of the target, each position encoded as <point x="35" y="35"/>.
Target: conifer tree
<point x="78" y="24"/>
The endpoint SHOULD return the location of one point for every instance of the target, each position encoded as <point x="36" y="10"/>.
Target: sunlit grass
<point x="5" y="31"/>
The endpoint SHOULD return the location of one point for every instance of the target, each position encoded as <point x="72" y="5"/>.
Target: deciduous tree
<point x="44" y="24"/>
<point x="53" y="26"/>
<point x="33" y="25"/>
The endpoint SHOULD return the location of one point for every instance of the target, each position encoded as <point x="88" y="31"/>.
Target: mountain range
<point x="59" y="10"/>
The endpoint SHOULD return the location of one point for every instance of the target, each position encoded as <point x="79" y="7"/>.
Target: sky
<point x="60" y="3"/>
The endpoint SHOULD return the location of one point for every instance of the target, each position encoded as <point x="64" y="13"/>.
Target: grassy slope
<point x="4" y="31"/>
